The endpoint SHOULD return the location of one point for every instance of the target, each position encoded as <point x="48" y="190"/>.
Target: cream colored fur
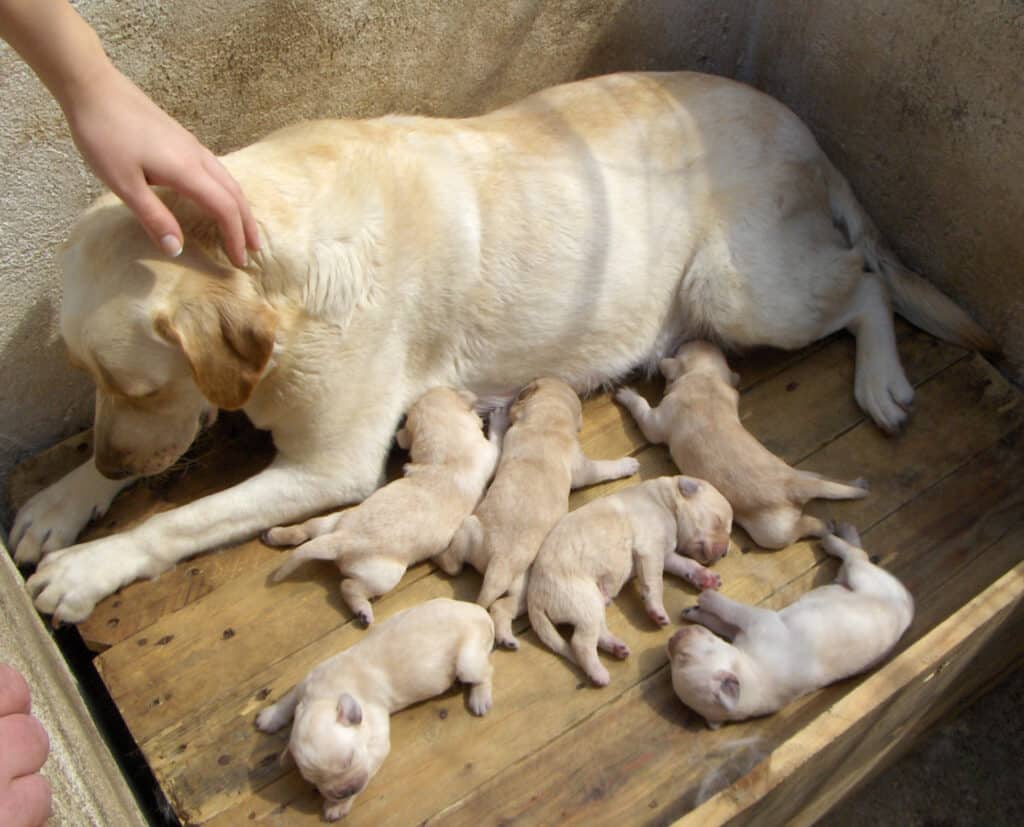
<point x="830" y="633"/>
<point x="699" y="419"/>
<point x="579" y="233"/>
<point x="341" y="710"/>
<point x="410" y="519"/>
<point x="595" y="550"/>
<point x="541" y="461"/>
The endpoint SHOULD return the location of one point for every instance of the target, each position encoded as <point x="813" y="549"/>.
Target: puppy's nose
<point x="719" y="549"/>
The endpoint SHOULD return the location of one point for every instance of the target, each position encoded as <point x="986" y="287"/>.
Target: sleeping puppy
<point x="541" y="461"/>
<point x="581" y="233"/>
<point x="595" y="550"/>
<point x="775" y="657"/>
<point x="341" y="709"/>
<point x="699" y="419"/>
<point x="410" y="519"/>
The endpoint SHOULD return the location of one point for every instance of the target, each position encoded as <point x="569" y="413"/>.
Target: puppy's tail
<point x="313" y="550"/>
<point x="807" y="485"/>
<point x="547" y="632"/>
<point x="916" y="299"/>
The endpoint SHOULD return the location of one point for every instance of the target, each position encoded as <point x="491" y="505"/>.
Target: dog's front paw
<point x="270" y="719"/>
<point x="286" y="535"/>
<point x="480" y="699"/>
<point x="337" y="810"/>
<point x="69" y="583"/>
<point x="54" y="517"/>
<point x="659" y="616"/>
<point x="706" y="579"/>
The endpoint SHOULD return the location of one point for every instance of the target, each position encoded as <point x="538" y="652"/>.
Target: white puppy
<point x="541" y="461"/>
<point x="595" y="550"/>
<point x="699" y="419"/>
<point x="341" y="709"/>
<point x="410" y="519"/>
<point x="775" y="657"/>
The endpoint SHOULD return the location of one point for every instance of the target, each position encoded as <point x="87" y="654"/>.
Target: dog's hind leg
<point x="806" y="485"/>
<point x="586" y="471"/>
<point x="783" y="526"/>
<point x="607" y="642"/>
<point x="366" y="580"/>
<point x="473" y="667"/>
<point x="584" y="647"/>
<point x="646" y="417"/>
<point x="880" y="385"/>
<point x="506" y="609"/>
<point x="292" y="535"/>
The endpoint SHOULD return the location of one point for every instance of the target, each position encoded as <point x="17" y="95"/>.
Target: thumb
<point x="158" y="221"/>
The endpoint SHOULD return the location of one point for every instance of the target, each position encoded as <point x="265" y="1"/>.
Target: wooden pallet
<point x="191" y="657"/>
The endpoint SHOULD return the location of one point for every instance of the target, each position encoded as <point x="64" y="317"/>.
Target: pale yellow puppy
<point x="541" y="461"/>
<point x="699" y="419"/>
<point x="342" y="708"/>
<point x="410" y="519"/>
<point x="773" y="658"/>
<point x="594" y="551"/>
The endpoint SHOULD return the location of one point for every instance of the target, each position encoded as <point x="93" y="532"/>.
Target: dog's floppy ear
<point x="350" y="713"/>
<point x="725" y="687"/>
<point x="688" y="486"/>
<point x="227" y="336"/>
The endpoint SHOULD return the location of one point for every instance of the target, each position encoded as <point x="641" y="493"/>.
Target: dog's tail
<point x="917" y="300"/>
<point x="312" y="550"/>
<point x="546" y="630"/>
<point x="806" y="485"/>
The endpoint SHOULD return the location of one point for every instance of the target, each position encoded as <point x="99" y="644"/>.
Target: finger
<point x="27" y="802"/>
<point x="158" y="221"/>
<point x="14" y="694"/>
<point x="25" y="746"/>
<point x="211" y="195"/>
<point x="249" y="226"/>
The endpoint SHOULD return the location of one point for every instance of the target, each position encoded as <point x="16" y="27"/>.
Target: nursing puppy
<point x="775" y="657"/>
<point x="410" y="519"/>
<point x="541" y="461"/>
<point x="342" y="708"/>
<point x="699" y="419"/>
<point x="595" y="550"/>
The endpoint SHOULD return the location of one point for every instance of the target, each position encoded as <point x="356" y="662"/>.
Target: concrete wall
<point x="920" y="102"/>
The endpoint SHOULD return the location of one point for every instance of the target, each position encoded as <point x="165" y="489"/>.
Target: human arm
<point x="127" y="140"/>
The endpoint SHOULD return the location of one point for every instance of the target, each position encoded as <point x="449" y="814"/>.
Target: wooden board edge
<point x="884" y="711"/>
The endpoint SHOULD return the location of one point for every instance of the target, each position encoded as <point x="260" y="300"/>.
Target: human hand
<point x="130" y="143"/>
<point x="24" y="745"/>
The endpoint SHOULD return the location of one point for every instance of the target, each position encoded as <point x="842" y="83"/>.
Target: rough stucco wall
<point x="232" y="71"/>
<point x="921" y="104"/>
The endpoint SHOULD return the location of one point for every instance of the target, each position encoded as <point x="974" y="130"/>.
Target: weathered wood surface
<point x="191" y="657"/>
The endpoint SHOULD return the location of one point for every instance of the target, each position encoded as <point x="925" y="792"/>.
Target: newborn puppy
<point x="775" y="657"/>
<point x="699" y="419"/>
<point x="339" y="738"/>
<point x="541" y="460"/>
<point x="410" y="519"/>
<point x="595" y="550"/>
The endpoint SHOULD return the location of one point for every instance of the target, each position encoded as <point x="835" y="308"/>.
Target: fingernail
<point x="170" y="245"/>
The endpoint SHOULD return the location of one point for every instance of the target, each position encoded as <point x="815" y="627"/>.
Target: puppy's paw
<point x="706" y="579"/>
<point x="480" y="699"/>
<point x="620" y="650"/>
<point x="628" y="466"/>
<point x="599" y="675"/>
<point x="659" y="616"/>
<point x="506" y="642"/>
<point x="364" y="617"/>
<point x="885" y="396"/>
<point x="269" y="719"/>
<point x="626" y="396"/>
<point x="286" y="535"/>
<point x="337" y="810"/>
<point x="689" y="613"/>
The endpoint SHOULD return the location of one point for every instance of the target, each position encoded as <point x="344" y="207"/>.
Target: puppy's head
<point x="706" y="674"/>
<point x="438" y="423"/>
<point x="547" y="395"/>
<point x="704" y="520"/>
<point x="166" y="341"/>
<point x="328" y="743"/>
<point x="698" y="356"/>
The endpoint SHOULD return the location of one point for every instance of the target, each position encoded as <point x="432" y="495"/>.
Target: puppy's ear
<point x="350" y="713"/>
<point x="671" y="369"/>
<point x="725" y="687"/>
<point x="403" y="438"/>
<point x="688" y="486"/>
<point x="227" y="336"/>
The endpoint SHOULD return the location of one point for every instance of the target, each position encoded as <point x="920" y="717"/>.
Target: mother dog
<point x="582" y="232"/>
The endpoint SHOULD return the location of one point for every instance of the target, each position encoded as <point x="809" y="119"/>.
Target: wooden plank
<point x="681" y="764"/>
<point x="815" y="767"/>
<point x="751" y="577"/>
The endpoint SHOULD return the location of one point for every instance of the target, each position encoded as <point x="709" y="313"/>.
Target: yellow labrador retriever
<point x="580" y="233"/>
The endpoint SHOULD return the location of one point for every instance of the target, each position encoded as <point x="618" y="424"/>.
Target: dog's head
<point x="329" y="744"/>
<point x="706" y="674"/>
<point x="546" y="394"/>
<point x="704" y="520"/>
<point x="166" y="341"/>
<point x="698" y="356"/>
<point x="438" y="423"/>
